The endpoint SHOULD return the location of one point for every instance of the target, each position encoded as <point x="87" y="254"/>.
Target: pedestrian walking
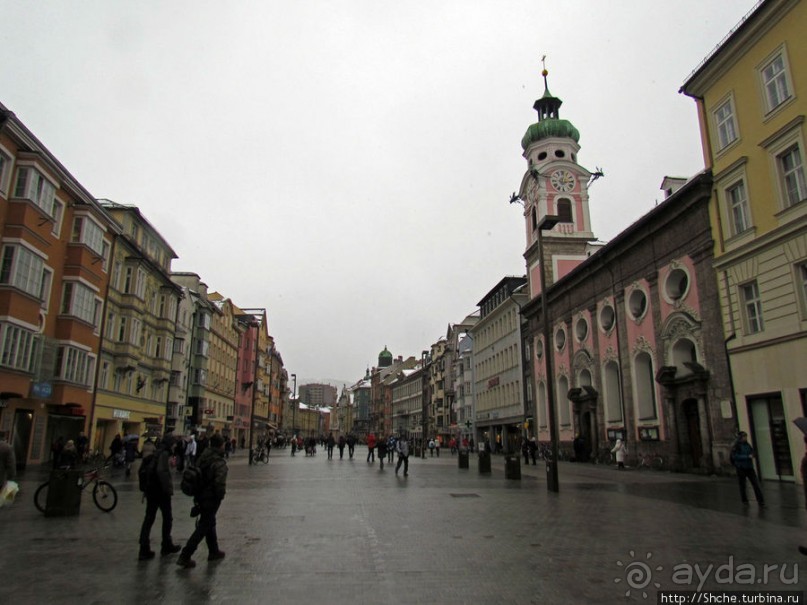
<point x="351" y="445"/>
<point x="437" y="446"/>
<point x="371" y="447"/>
<point x="82" y="446"/>
<point x="179" y="453"/>
<point x="190" y="451"/>
<point x="8" y="465"/>
<point x="116" y="450"/>
<point x="382" y="450"/>
<point x="211" y="493"/>
<point x="330" y="443"/>
<point x="742" y="457"/>
<point x="69" y="456"/>
<point x="532" y="446"/>
<point x="341" y="446"/>
<point x="619" y="454"/>
<point x="56" y="448"/>
<point x="431" y="448"/>
<point x="802" y="549"/>
<point x="159" y="488"/>
<point x="390" y="448"/>
<point x="403" y="456"/>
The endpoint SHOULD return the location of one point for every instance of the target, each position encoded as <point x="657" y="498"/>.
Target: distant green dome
<point x="549" y="123"/>
<point x="549" y="128"/>
<point x="384" y="358"/>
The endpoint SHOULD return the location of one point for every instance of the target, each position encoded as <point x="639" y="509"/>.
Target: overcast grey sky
<point x="348" y="164"/>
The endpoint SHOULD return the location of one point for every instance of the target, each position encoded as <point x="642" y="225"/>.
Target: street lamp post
<point x="425" y="405"/>
<point x="294" y="403"/>
<point x="254" y="326"/>
<point x="546" y="224"/>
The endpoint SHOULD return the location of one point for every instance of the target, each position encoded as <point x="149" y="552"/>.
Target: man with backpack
<point x="157" y="487"/>
<point x="208" y="497"/>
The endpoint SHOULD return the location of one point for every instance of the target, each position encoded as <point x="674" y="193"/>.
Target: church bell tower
<point x="554" y="184"/>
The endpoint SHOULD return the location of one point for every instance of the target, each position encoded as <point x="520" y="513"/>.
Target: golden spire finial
<point x="544" y="72"/>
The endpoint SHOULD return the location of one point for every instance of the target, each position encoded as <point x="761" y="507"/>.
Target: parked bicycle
<point x="545" y="452"/>
<point x="103" y="494"/>
<point x="653" y="461"/>
<point x="94" y="459"/>
<point x="260" y="454"/>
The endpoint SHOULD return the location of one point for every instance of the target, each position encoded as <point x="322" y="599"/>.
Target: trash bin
<point x="64" y="493"/>
<point x="484" y="462"/>
<point x="463" y="459"/>
<point x="512" y="467"/>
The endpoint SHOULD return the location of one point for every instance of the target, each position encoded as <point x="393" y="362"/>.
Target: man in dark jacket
<point x="742" y="457"/>
<point x="159" y="489"/>
<point x="8" y="466"/>
<point x="214" y="487"/>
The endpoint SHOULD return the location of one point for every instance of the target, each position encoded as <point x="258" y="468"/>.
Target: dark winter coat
<point x="742" y="455"/>
<point x="162" y="482"/>
<point x="214" y="477"/>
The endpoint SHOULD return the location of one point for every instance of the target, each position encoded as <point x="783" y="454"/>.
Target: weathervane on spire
<point x="544" y="71"/>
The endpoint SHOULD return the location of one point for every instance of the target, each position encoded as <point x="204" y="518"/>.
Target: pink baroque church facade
<point x="635" y="337"/>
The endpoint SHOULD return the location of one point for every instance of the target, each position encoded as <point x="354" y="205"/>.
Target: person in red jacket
<point x="371" y="447"/>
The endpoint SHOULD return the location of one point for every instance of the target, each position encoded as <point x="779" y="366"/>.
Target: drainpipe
<point x="102" y="331"/>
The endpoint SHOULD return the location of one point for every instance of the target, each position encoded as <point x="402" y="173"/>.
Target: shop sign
<point x="41" y="390"/>
<point x="124" y="414"/>
<point x="493" y="382"/>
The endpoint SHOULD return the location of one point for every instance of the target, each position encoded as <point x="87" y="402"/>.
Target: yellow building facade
<point x="751" y="95"/>
<point x="139" y="327"/>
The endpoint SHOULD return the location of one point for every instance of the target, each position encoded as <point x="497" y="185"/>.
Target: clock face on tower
<point x="562" y="180"/>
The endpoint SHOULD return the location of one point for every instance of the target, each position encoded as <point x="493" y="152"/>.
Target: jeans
<point x="162" y="502"/>
<point x="751" y="475"/>
<point x="405" y="461"/>
<point x="205" y="528"/>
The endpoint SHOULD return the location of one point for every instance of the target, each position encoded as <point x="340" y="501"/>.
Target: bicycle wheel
<point x="104" y="496"/>
<point x="41" y="497"/>
<point x="658" y="463"/>
<point x="265" y="457"/>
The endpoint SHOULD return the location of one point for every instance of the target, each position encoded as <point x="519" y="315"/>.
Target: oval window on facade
<point x="581" y="329"/>
<point x="677" y="284"/>
<point x="607" y="318"/>
<point x="560" y="339"/>
<point x="637" y="304"/>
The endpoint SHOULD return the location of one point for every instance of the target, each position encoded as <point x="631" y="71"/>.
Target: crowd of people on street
<point x="209" y="454"/>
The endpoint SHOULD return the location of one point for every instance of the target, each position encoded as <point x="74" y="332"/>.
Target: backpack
<point x="147" y="473"/>
<point x="192" y="483"/>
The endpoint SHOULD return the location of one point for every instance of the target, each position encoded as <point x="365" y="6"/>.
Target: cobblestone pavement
<point x="309" y="529"/>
